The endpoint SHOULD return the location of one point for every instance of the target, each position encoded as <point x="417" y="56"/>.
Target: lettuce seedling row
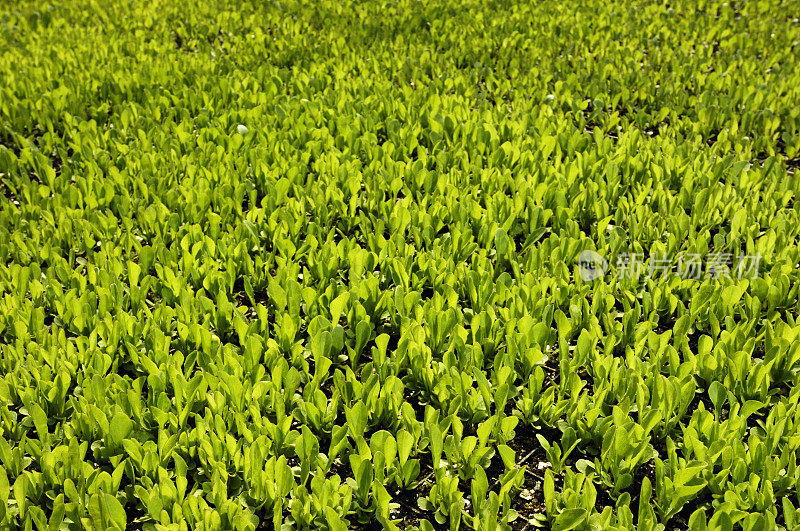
<point x="399" y="265"/>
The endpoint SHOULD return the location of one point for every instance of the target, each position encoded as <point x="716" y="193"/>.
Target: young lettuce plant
<point x="558" y="454"/>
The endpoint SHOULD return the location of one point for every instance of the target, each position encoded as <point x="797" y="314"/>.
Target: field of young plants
<point x="396" y="264"/>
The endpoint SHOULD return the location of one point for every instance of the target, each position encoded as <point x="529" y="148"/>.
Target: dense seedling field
<point x="318" y="265"/>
